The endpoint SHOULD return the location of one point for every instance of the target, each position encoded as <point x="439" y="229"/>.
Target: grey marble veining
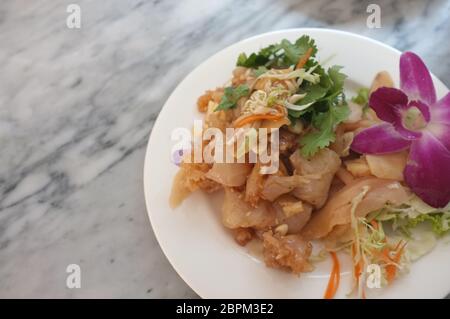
<point x="77" y="107"/>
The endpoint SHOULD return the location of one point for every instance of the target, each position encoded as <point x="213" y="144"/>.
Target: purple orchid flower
<point x="413" y="119"/>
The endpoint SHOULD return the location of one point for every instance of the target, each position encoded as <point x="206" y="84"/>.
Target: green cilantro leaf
<point x="252" y="61"/>
<point x="337" y="79"/>
<point x="280" y="55"/>
<point x="327" y="111"/>
<point x="324" y="94"/>
<point x="231" y="96"/>
<point x="260" y="70"/>
<point x="362" y="98"/>
<point x="293" y="51"/>
<point x="314" y="93"/>
<point x="325" y="124"/>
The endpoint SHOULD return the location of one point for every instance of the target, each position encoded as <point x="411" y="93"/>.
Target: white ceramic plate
<point x="200" y="249"/>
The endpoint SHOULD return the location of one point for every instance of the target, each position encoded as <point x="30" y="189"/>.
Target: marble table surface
<point x="77" y="107"/>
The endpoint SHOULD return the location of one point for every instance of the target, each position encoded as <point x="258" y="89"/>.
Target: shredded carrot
<point x="374" y="224"/>
<point x="383" y="255"/>
<point x="398" y="244"/>
<point x="400" y="251"/>
<point x="357" y="269"/>
<point x="304" y="58"/>
<point x="363" y="295"/>
<point x="257" y="117"/>
<point x="391" y="269"/>
<point x="357" y="272"/>
<point x="333" y="282"/>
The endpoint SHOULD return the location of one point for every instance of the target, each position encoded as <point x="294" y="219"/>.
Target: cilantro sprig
<point x="323" y="134"/>
<point x="328" y="110"/>
<point x="362" y="98"/>
<point x="231" y="95"/>
<point x="280" y="55"/>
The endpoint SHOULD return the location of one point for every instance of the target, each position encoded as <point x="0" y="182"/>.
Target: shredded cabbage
<point x="420" y="243"/>
<point x="296" y="107"/>
<point x="261" y="102"/>
<point x="413" y="213"/>
<point x="296" y="97"/>
<point x="301" y="74"/>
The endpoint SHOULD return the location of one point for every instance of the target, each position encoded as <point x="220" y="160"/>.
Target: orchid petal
<point x="379" y="139"/>
<point x="441" y="132"/>
<point x="440" y="112"/>
<point x="427" y="172"/>
<point x="415" y="79"/>
<point x="386" y="102"/>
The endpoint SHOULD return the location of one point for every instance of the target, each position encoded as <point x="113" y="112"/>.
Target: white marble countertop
<point x="77" y="107"/>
